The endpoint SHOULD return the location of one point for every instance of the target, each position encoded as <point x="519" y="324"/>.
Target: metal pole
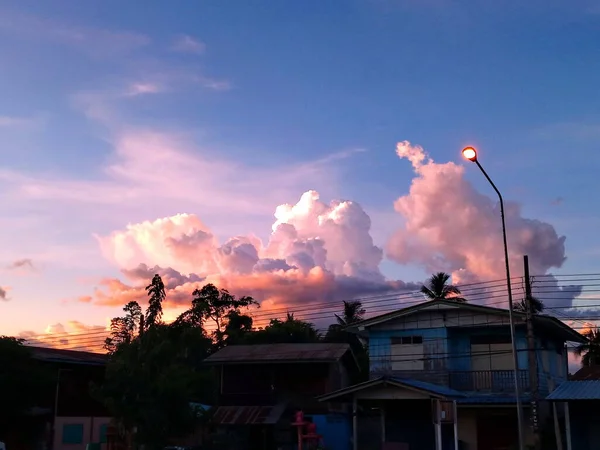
<point x="510" y="312"/>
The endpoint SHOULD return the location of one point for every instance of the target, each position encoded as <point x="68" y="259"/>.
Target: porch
<point x="391" y="414"/>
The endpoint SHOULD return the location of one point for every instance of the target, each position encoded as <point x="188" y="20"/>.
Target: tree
<point x="216" y="305"/>
<point x="237" y="328"/>
<point x="590" y="350"/>
<point x="537" y="306"/>
<point x="437" y="288"/>
<point x="156" y="292"/>
<point x="123" y="329"/>
<point x="290" y="330"/>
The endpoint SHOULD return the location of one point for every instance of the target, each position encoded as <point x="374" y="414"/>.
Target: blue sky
<point x="275" y="88"/>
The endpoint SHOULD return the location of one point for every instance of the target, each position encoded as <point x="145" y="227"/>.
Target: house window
<point x="102" y="433"/>
<point x="72" y="433"/>
<point x="407" y="353"/>
<point x="491" y="353"/>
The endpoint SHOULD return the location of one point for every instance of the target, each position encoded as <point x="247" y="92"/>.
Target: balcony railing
<point x="498" y="381"/>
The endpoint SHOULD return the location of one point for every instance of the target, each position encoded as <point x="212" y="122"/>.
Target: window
<point x="102" y="433"/>
<point x="407" y="353"/>
<point x="491" y="353"/>
<point x="72" y="433"/>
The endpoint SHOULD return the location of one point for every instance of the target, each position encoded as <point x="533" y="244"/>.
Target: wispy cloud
<point x="187" y="44"/>
<point x="137" y="89"/>
<point x="4" y="293"/>
<point x="17" y="122"/>
<point x="26" y="263"/>
<point x="95" y="42"/>
<point x="584" y="131"/>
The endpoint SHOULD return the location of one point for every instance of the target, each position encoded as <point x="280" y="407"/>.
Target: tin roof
<point x="576" y="390"/>
<point x="318" y="352"/>
<point x="248" y="415"/>
<point x="68" y="356"/>
<point x="433" y="390"/>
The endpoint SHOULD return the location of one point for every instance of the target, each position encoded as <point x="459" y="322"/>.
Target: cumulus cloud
<point x="449" y="226"/>
<point x="72" y="335"/>
<point x="317" y="252"/>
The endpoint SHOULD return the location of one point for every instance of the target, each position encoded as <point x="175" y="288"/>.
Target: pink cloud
<point x="72" y="335"/>
<point x="449" y="226"/>
<point x="187" y="44"/>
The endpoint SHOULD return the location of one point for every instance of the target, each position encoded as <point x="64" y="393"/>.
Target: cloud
<point x="187" y="44"/>
<point x="137" y="89"/>
<point x="21" y="264"/>
<point x="557" y="201"/>
<point x="72" y="335"/>
<point x="95" y="42"/>
<point x="4" y="293"/>
<point x="317" y="252"/>
<point x="449" y="226"/>
<point x="14" y="122"/>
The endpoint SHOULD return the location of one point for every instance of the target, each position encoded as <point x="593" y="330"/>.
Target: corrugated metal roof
<point x="576" y="390"/>
<point x="444" y="391"/>
<point x="68" y="356"/>
<point x="279" y="353"/>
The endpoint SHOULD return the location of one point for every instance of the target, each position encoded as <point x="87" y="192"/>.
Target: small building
<point x="75" y="418"/>
<point x="577" y="406"/>
<point x="442" y="376"/>
<point x="262" y="387"/>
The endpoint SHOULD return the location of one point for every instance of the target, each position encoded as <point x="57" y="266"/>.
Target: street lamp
<point x="471" y="154"/>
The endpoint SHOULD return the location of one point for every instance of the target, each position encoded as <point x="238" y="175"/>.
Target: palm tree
<point x="353" y="312"/>
<point x="591" y="349"/>
<point x="437" y="288"/>
<point x="537" y="306"/>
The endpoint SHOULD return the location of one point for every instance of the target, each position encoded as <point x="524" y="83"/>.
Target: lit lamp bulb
<point x="470" y="153"/>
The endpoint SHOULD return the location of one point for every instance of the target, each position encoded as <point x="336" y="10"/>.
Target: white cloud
<point x="187" y="44"/>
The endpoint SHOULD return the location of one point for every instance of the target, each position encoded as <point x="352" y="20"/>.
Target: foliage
<point x="537" y="306"/>
<point x="156" y="292"/>
<point x="23" y="381"/>
<point x="123" y="329"/>
<point x="290" y="330"/>
<point x="437" y="287"/>
<point x="590" y="350"/>
<point x="217" y="306"/>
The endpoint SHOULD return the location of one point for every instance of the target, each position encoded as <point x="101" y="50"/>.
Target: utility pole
<point x="532" y="357"/>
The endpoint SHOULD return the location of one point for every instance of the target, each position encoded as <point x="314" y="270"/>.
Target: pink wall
<point x="91" y="431"/>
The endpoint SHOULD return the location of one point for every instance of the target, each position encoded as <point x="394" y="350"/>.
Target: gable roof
<point x="430" y="389"/>
<point x="279" y="353"/>
<point x="59" y="355"/>
<point x="549" y="323"/>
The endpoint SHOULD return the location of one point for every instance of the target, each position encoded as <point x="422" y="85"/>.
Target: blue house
<point x="441" y="377"/>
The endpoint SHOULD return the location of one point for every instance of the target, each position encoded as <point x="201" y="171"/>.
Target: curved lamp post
<point x="471" y="154"/>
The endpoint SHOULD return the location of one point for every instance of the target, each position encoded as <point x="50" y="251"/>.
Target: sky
<point x="299" y="152"/>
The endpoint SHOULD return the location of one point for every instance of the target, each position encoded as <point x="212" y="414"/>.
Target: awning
<point x="429" y="389"/>
<point x="576" y="390"/>
<point x="248" y="415"/>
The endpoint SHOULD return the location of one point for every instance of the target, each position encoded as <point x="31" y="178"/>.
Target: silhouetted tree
<point x="123" y="329"/>
<point x="437" y="288"/>
<point x="290" y="330"/>
<point x="156" y="292"/>
<point x="537" y="306"/>
<point x="214" y="305"/>
<point x="590" y="350"/>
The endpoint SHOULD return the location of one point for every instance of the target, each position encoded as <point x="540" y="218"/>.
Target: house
<point x="75" y="417"/>
<point x="441" y="377"/>
<point x="263" y="386"/>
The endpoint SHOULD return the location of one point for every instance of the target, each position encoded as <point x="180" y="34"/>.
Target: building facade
<point x="262" y="387"/>
<point x="442" y="377"/>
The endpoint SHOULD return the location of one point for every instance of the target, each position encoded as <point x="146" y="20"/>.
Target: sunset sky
<point x="143" y="133"/>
